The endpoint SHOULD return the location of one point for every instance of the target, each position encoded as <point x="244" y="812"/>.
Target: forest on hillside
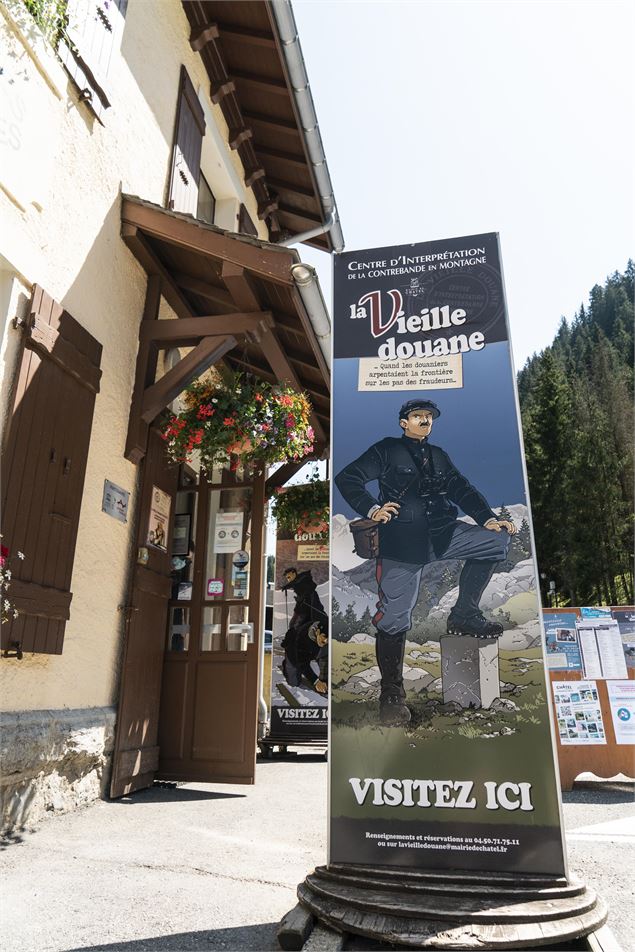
<point x="576" y="400"/>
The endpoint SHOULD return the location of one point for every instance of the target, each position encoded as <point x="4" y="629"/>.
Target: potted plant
<point x="231" y="418"/>
<point x="303" y="508"/>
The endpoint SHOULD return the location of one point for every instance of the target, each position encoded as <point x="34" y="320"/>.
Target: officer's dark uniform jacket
<point x="425" y="492"/>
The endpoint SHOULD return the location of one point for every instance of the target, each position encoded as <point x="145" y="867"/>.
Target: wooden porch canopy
<point x="236" y="300"/>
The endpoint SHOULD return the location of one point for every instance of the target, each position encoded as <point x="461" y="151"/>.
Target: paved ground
<point x="215" y="867"/>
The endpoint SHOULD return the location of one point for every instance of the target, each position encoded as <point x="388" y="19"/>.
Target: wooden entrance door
<point x="136" y="755"/>
<point x="209" y="697"/>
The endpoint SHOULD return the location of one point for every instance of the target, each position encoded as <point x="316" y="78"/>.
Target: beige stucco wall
<point x="59" y="217"/>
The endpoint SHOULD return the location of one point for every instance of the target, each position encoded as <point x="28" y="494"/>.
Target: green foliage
<point x="51" y="16"/>
<point x="231" y="418"/>
<point x="576" y="400"/>
<point x="303" y="505"/>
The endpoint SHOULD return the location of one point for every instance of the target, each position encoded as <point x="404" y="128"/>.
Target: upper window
<point x="206" y="205"/>
<point x="84" y="33"/>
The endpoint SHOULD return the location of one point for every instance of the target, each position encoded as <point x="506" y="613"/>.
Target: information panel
<point x="441" y="742"/>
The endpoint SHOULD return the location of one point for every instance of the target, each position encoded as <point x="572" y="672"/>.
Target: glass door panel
<point x="228" y="544"/>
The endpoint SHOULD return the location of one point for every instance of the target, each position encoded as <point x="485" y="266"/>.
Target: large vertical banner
<point x="442" y="751"/>
<point x="299" y="670"/>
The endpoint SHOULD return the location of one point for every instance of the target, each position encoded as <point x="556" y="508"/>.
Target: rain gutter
<point x="307" y="283"/>
<point x="294" y="61"/>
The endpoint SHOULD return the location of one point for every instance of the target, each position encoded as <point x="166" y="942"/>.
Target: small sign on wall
<point x="115" y="501"/>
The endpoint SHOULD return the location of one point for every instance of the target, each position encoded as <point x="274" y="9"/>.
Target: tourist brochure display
<point x="578" y="712"/>
<point x="441" y="752"/>
<point x="601" y="647"/>
<point x="622" y="703"/>
<point x="625" y="618"/>
<point x="561" y="638"/>
<point x="299" y="668"/>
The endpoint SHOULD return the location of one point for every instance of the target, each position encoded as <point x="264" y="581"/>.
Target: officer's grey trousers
<point x="398" y="582"/>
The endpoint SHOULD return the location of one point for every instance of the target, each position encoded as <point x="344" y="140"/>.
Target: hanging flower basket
<point x="234" y="419"/>
<point x="303" y="508"/>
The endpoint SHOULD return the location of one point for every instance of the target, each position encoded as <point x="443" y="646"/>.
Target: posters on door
<point x="159" y="519"/>
<point x="441" y="748"/>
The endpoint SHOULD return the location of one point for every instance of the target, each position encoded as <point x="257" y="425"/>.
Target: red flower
<point x="4" y="555"/>
<point x="228" y="421"/>
<point x="259" y="397"/>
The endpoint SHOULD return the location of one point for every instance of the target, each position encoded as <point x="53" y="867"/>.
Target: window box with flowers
<point x="232" y="419"/>
<point x="303" y="508"/>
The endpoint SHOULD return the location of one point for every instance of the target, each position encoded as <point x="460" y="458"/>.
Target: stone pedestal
<point x="444" y="909"/>
<point x="469" y="670"/>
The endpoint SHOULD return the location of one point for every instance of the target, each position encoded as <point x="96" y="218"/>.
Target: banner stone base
<point x="469" y="670"/>
<point x="450" y="910"/>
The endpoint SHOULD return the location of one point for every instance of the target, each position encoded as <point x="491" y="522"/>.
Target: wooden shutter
<point x="43" y="469"/>
<point x="186" y="154"/>
<point x="94" y="30"/>
<point x="245" y="224"/>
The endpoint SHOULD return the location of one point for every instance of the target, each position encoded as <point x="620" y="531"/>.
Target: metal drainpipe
<point x="311" y="233"/>
<point x="308" y="285"/>
<point x="292" y="52"/>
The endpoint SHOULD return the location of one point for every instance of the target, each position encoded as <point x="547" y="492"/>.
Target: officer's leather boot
<point x="465" y="618"/>
<point x="390" y="651"/>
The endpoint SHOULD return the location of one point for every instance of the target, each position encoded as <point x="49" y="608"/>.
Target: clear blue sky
<point x="442" y="119"/>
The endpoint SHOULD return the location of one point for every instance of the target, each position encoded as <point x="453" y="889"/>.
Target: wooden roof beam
<point x="285" y="209"/>
<point x="189" y="331"/>
<point x="244" y="293"/>
<point x="208" y="291"/>
<point x="149" y="261"/>
<point x="200" y="36"/>
<point x="275" y="87"/>
<point x="281" y="185"/>
<point x="272" y="122"/>
<point x="273" y="264"/>
<point x="218" y="90"/>
<point x="238" y="135"/>
<point x="243" y="35"/>
<point x="253" y="175"/>
<point x="209" y="351"/>
<point x="266" y="208"/>
<point x="290" y="157"/>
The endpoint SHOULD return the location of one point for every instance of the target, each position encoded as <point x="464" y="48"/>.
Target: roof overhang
<point x="237" y="300"/>
<point x="249" y="64"/>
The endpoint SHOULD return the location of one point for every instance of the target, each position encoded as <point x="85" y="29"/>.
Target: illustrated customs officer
<point x="418" y="487"/>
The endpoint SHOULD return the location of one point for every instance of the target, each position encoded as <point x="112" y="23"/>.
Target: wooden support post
<point x="137" y="438"/>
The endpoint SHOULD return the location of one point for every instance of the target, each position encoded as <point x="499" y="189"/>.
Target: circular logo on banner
<point x="623" y="713"/>
<point x="240" y="559"/>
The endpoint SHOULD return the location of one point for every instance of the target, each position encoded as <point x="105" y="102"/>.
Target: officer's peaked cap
<point x="412" y="405"/>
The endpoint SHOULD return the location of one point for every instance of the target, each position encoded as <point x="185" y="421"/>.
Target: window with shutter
<point x="43" y="469"/>
<point x="86" y="46"/>
<point x="186" y="154"/>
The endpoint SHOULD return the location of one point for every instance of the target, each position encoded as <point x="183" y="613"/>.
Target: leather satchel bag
<point x="365" y="538"/>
